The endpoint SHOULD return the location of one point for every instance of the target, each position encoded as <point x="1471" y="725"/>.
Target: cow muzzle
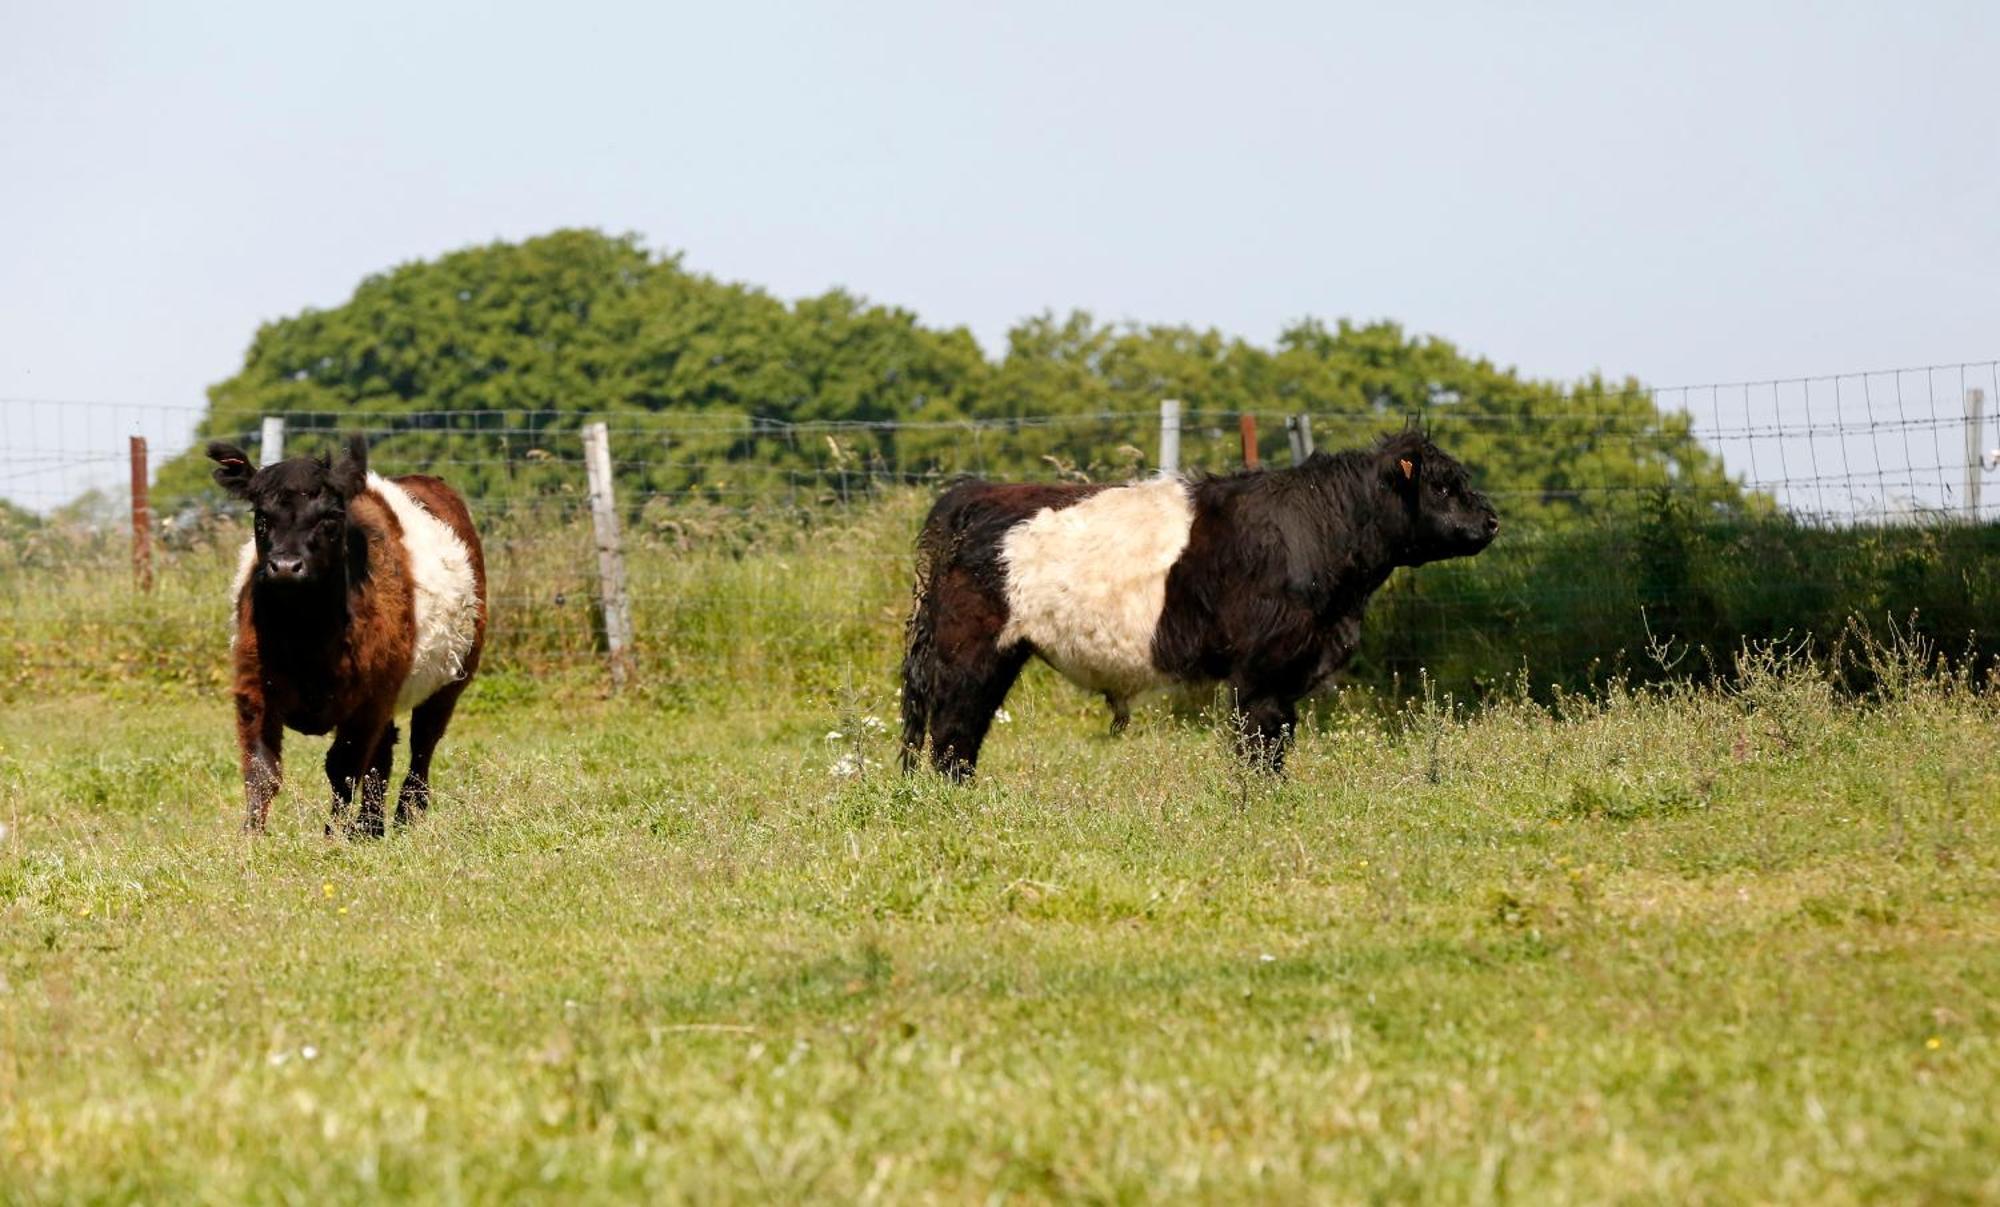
<point x="285" y="567"/>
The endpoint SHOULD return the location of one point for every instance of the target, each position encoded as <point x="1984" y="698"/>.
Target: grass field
<point x="1666" y="946"/>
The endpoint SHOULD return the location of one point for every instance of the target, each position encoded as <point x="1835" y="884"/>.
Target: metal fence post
<point x="142" y="517"/>
<point x="1170" y="436"/>
<point x="610" y="559"/>
<point x="1299" y="432"/>
<point x="271" y="449"/>
<point x="1248" y="425"/>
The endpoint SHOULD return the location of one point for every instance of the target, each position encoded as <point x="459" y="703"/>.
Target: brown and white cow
<point x="1257" y="580"/>
<point x="359" y="597"/>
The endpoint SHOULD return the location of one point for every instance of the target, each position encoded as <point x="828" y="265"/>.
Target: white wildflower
<point x="1002" y="717"/>
<point x="834" y="735"/>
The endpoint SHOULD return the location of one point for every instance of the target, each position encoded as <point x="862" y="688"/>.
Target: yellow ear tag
<point x="1408" y="469"/>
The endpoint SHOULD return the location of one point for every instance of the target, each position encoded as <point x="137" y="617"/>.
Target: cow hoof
<point x="411" y="808"/>
<point x="353" y="830"/>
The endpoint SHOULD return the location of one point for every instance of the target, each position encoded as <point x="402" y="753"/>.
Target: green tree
<point x="486" y="362"/>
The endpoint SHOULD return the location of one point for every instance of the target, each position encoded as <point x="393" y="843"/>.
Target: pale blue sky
<point x="1688" y="193"/>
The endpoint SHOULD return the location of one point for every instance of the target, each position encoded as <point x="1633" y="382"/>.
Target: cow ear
<point x="350" y="474"/>
<point x="232" y="469"/>
<point x="1403" y="467"/>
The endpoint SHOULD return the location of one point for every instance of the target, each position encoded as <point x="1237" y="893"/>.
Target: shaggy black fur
<point x="1269" y="593"/>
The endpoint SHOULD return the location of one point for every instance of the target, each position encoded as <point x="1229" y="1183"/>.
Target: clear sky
<point x="1688" y="192"/>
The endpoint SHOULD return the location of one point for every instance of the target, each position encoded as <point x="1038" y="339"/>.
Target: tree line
<point x="489" y="359"/>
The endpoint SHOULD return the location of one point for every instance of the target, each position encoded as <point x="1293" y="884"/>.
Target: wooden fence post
<point x="1299" y="431"/>
<point x="1248" y="424"/>
<point x="610" y="559"/>
<point x="1170" y="436"/>
<point x="142" y="517"/>
<point x="271" y="449"/>
<point x="1975" y="456"/>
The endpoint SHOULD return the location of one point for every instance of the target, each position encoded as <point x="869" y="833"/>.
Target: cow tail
<point x="920" y="659"/>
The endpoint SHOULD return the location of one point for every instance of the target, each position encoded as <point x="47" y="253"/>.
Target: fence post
<point x="1170" y="436"/>
<point x="1975" y="456"/>
<point x="1299" y="432"/>
<point x="142" y="517"/>
<point x="610" y="560"/>
<point x="271" y="449"/>
<point x="1248" y="424"/>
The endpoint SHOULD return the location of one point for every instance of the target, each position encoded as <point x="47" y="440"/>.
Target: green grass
<point x="1663" y="946"/>
<point x="798" y="601"/>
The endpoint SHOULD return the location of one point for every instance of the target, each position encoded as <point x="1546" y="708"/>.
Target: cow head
<point x="1447" y="517"/>
<point x="300" y="505"/>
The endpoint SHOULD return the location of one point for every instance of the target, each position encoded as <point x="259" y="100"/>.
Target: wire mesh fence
<point x="1838" y="448"/>
<point x="759" y="547"/>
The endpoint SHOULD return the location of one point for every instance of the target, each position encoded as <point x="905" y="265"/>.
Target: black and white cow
<point x="1255" y="579"/>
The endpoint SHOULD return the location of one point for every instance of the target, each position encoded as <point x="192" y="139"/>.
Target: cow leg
<point x="260" y="737"/>
<point x="1121" y="713"/>
<point x="969" y="688"/>
<point x="1264" y="726"/>
<point x="348" y="762"/>
<point x="375" y="784"/>
<point x="427" y="725"/>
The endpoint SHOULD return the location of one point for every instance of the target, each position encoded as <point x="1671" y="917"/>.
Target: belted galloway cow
<point x="1257" y="580"/>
